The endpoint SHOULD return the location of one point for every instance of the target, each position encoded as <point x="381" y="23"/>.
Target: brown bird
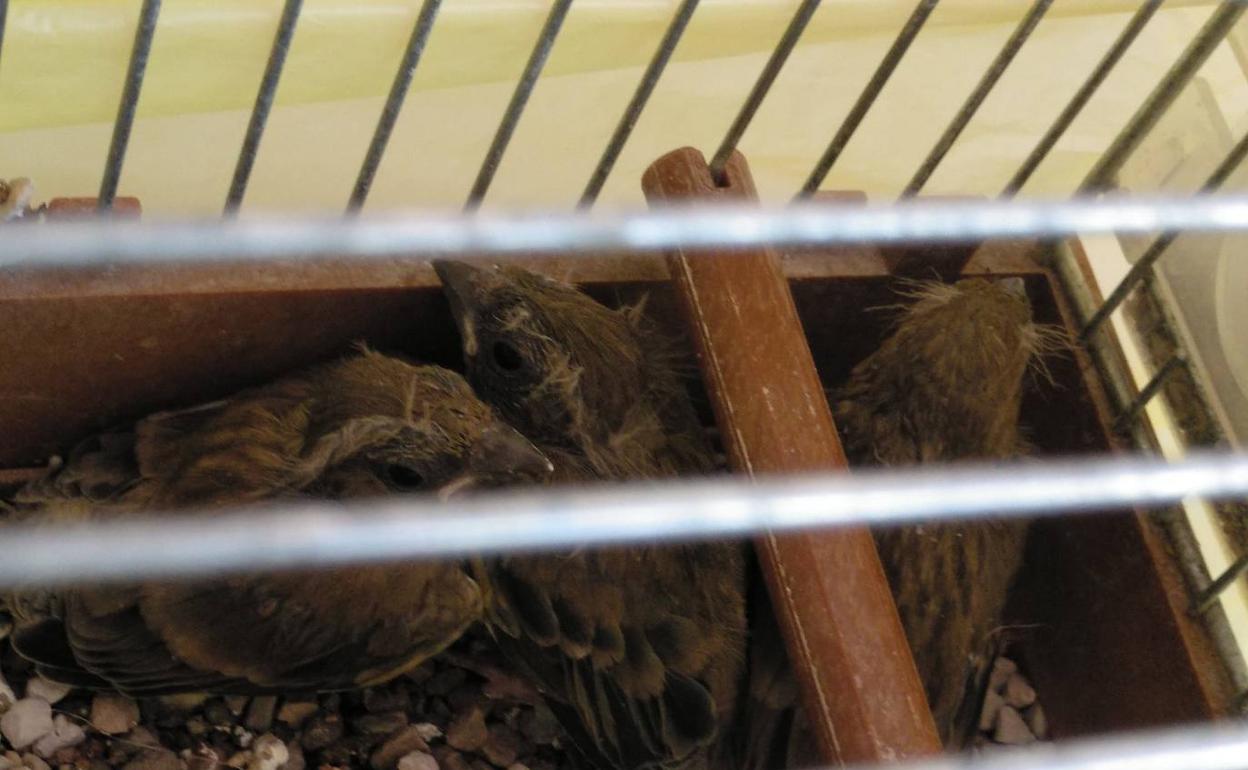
<point x="945" y="386"/>
<point x="638" y="650"/>
<point x="366" y="425"/>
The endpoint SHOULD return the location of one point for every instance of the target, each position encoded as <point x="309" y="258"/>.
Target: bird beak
<point x="463" y="285"/>
<point x="500" y="454"/>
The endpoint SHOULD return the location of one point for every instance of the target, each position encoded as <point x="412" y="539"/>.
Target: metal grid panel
<point x="555" y="519"/>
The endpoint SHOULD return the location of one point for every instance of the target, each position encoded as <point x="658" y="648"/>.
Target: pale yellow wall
<point x="63" y="61"/>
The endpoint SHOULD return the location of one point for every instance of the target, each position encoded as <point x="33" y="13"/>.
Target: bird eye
<point x="404" y="477"/>
<point x="506" y="357"/>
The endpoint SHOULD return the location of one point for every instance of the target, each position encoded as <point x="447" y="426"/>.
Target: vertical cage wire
<point x="1143" y="266"/>
<point x="857" y="113"/>
<point x="519" y="98"/>
<point x="976" y="99"/>
<point x="263" y="105"/>
<point x="124" y="122"/>
<point x="1084" y="95"/>
<point x="1149" y="392"/>
<point x="4" y="15"/>
<point x="623" y="129"/>
<point x="394" y="103"/>
<point x="1216" y="28"/>
<point x="779" y="55"/>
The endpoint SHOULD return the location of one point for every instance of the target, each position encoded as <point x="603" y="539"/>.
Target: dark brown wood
<point x="78" y="208"/>
<point x="860" y="689"/>
<point x="930" y="261"/>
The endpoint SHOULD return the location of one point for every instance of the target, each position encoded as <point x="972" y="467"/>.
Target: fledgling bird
<point x="366" y="425"/>
<point x="947" y="386"/>
<point x="638" y="650"/>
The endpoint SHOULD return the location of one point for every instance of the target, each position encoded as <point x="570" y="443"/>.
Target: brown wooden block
<point x="859" y="686"/>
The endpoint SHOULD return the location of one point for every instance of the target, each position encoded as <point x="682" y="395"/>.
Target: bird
<point x="638" y="650"/>
<point x="945" y="386"/>
<point x="362" y="426"/>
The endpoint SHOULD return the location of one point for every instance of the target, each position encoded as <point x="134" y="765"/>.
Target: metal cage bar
<point x="623" y="129"/>
<point x="1149" y="391"/>
<point x="1215" y="29"/>
<point x="394" y="103"/>
<point x="4" y="15"/>
<point x="519" y="98"/>
<point x="779" y="55"/>
<point x="264" y="103"/>
<point x="1084" y="95"/>
<point x="909" y="31"/>
<point x="976" y="99"/>
<point x="324" y="533"/>
<point x="579" y="235"/>
<point x="135" y="70"/>
<point x="1209" y="596"/>
<point x="1143" y="266"/>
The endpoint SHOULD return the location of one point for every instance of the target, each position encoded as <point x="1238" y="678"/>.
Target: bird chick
<point x="639" y="650"/>
<point x="946" y="386"/>
<point x="366" y="425"/>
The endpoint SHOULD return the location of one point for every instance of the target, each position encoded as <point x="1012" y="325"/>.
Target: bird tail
<point x="769" y="713"/>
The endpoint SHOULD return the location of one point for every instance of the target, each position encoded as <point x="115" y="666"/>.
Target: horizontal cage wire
<point x="172" y="545"/>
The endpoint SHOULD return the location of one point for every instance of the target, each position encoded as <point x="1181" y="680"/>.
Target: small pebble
<point x="1018" y="693"/>
<point x="141" y="736"/>
<point x="154" y="759"/>
<point x="988" y="715"/>
<point x="296" y="761"/>
<point x="217" y="713"/>
<point x="1011" y="729"/>
<point x="450" y="759"/>
<point x="203" y="758"/>
<point x="1037" y="721"/>
<point x="35" y="763"/>
<point x="38" y="687"/>
<point x="418" y="760"/>
<point x="7" y="696"/>
<point x="237" y="704"/>
<point x="380" y="724"/>
<point x="402" y="743"/>
<point x="427" y="730"/>
<point x="260" y="713"/>
<point x="64" y="734"/>
<point x="468" y="731"/>
<point x="1002" y="670"/>
<point x="268" y="753"/>
<point x="503" y="746"/>
<point x="113" y="714"/>
<point x="26" y="721"/>
<point x="183" y="703"/>
<point x="321" y="731"/>
<point x="296" y="712"/>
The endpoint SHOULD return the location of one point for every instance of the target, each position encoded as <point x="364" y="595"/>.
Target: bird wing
<point x="252" y="634"/>
<point x="626" y="650"/>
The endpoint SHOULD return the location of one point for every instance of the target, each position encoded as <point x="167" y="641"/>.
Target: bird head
<point x="559" y="365"/>
<point x="394" y="427"/>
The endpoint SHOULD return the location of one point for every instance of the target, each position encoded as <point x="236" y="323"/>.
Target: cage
<point x="311" y="109"/>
